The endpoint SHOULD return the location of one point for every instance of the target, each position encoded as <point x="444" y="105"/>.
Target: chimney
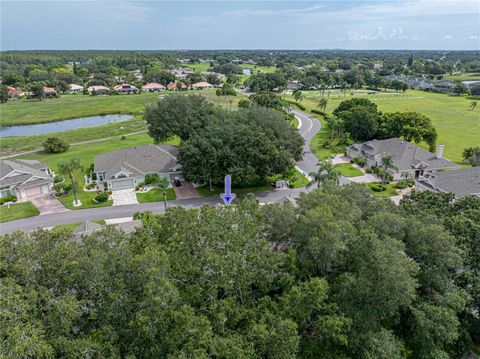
<point x="439" y="153"/>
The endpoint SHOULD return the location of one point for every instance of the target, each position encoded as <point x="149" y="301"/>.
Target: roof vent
<point x="439" y="153"/>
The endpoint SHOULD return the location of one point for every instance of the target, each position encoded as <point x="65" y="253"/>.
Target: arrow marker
<point x="227" y="196"/>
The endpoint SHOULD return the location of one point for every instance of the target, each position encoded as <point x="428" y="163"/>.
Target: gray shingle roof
<point x="405" y="155"/>
<point x="138" y="160"/>
<point x="461" y="182"/>
<point x="88" y="227"/>
<point x="25" y="169"/>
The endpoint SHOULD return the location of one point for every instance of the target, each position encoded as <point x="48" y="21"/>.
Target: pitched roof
<point x="48" y="89"/>
<point x="75" y="87"/>
<point x="153" y="85"/>
<point x="98" y="88"/>
<point x="125" y="86"/>
<point x="202" y="84"/>
<point x="21" y="171"/>
<point x="88" y="227"/>
<point x="461" y="182"/>
<point x="405" y="155"/>
<point x="14" y="91"/>
<point x="138" y="160"/>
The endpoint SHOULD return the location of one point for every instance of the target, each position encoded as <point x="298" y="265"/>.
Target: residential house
<point x="201" y="86"/>
<point x="75" y="89"/>
<point x="127" y="167"/>
<point x="87" y="227"/>
<point x="49" y="92"/>
<point x="153" y="87"/>
<point x="24" y="179"/>
<point x="126" y="89"/>
<point x="14" y="93"/>
<point x="220" y="76"/>
<point x="407" y="157"/>
<point x="294" y="85"/>
<point x="471" y="84"/>
<point x="99" y="90"/>
<point x="461" y="182"/>
<point x="443" y="87"/>
<point x="181" y="72"/>
<point x="174" y="86"/>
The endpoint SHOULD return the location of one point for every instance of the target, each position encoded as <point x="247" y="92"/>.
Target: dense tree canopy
<point x="343" y="275"/>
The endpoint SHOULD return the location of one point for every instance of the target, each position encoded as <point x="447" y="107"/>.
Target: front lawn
<point x="205" y="192"/>
<point x="17" y="211"/>
<point x="348" y="170"/>
<point x="156" y="195"/>
<point x="389" y="191"/>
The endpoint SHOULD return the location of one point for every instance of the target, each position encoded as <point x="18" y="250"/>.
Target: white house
<point x="126" y="89"/>
<point x="75" y="89"/>
<point x="201" y="86"/>
<point x="153" y="87"/>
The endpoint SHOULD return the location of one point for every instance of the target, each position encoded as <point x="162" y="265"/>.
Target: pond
<point x="41" y="128"/>
<point x="247" y="72"/>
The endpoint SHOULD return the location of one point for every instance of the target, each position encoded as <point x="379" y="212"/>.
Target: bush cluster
<point x="9" y="198"/>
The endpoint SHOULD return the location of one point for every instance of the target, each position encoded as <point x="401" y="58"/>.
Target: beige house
<point x="202" y="86"/>
<point x="99" y="90"/>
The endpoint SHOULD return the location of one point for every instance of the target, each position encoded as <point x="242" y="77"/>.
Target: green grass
<point x="205" y="192"/>
<point x="200" y="67"/>
<point x="72" y="106"/>
<point x="156" y="195"/>
<point x="72" y="226"/>
<point x="457" y="126"/>
<point x="17" y="211"/>
<point x="347" y="170"/>
<point x="463" y="77"/>
<point x="390" y="190"/>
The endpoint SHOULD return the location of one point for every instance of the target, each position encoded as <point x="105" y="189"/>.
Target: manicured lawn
<point x="347" y="170"/>
<point x="457" y="126"/>
<point x="463" y="77"/>
<point x="73" y="106"/>
<point x="17" y="211"/>
<point x="156" y="195"/>
<point x="72" y="226"/>
<point x="389" y="191"/>
<point x="205" y="192"/>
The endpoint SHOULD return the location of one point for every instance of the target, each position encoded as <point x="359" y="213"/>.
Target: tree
<point x="412" y="126"/>
<point x="3" y="94"/>
<point x="163" y="183"/>
<point x="177" y="115"/>
<point x="298" y="95"/>
<point x="194" y="77"/>
<point x="37" y="90"/>
<point x="322" y="104"/>
<point x="326" y="172"/>
<point x="471" y="156"/>
<point x="159" y="76"/>
<point x="387" y="162"/>
<point x="55" y="145"/>
<point x="361" y="118"/>
<point x="459" y="88"/>
<point x="68" y="168"/>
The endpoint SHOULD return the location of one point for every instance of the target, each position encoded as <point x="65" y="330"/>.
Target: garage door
<point x="122" y="184"/>
<point x="33" y="191"/>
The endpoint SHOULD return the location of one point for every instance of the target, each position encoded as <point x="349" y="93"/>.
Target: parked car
<point x="177" y="182"/>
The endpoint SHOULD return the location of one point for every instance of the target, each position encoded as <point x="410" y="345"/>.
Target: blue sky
<point x="158" y="25"/>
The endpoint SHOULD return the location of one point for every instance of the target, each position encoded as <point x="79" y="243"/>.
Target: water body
<point x="41" y="128"/>
<point x="247" y="72"/>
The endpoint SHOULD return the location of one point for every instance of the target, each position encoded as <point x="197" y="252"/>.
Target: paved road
<point x="308" y="128"/>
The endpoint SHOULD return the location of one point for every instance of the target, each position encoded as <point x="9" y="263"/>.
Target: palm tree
<point x="343" y="88"/>
<point x="326" y="172"/>
<point x="68" y="169"/>
<point x="335" y="125"/>
<point x="473" y="104"/>
<point x="322" y="104"/>
<point x="163" y="183"/>
<point x="387" y="162"/>
<point x="298" y="95"/>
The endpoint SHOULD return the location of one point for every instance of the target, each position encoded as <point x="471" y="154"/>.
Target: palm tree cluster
<point x="325" y="173"/>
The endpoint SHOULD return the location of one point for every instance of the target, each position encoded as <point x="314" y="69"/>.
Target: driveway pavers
<point x="124" y="197"/>
<point x="48" y="204"/>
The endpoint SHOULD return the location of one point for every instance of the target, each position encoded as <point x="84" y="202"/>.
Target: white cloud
<point x="447" y="37"/>
<point x="378" y="34"/>
<point x="272" y="12"/>
<point x="473" y="37"/>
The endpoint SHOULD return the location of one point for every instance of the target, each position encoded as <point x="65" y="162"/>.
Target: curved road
<point x="309" y="126"/>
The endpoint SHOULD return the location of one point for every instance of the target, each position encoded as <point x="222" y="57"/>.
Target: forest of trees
<point x="342" y="275"/>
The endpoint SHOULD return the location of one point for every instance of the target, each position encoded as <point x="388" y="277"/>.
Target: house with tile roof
<point x="98" y="89"/>
<point x="126" y="89"/>
<point x="127" y="167"/>
<point x="407" y="157"/>
<point x="202" y="86"/>
<point x="461" y="182"/>
<point x="153" y="87"/>
<point x="75" y="89"/>
<point x="24" y="179"/>
<point x="14" y="93"/>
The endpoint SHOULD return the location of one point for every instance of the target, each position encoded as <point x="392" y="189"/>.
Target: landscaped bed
<point x="17" y="211"/>
<point x="155" y="195"/>
<point x="348" y="170"/>
<point x="389" y="189"/>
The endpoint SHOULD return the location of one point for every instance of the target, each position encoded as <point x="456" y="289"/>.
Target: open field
<point x="17" y="211"/>
<point x="68" y="106"/>
<point x="458" y="127"/>
<point x="86" y="154"/>
<point x="463" y="77"/>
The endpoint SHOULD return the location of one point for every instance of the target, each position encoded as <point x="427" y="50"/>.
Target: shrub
<point x="376" y="187"/>
<point x="90" y="185"/>
<point x="55" y="145"/>
<point x="123" y="137"/>
<point x="101" y="197"/>
<point x="361" y="161"/>
<point x="9" y="198"/>
<point x="401" y="185"/>
<point x="58" y="179"/>
<point x="368" y="170"/>
<point x="140" y="186"/>
<point x="68" y="187"/>
<point x="151" y="178"/>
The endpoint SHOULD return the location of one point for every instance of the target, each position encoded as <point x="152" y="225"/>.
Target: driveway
<point x="123" y="197"/>
<point x="186" y="190"/>
<point x="48" y="204"/>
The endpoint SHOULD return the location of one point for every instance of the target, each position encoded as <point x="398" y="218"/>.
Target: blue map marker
<point x="227" y="196"/>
